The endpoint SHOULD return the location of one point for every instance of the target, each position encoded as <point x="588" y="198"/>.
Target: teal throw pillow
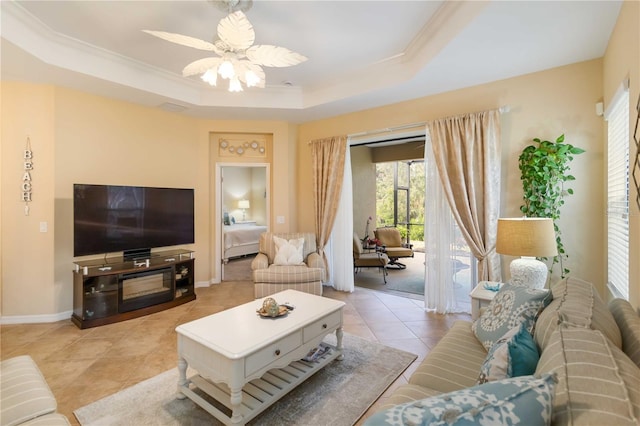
<point x="511" y="306"/>
<point x="514" y="354"/>
<point x="518" y="400"/>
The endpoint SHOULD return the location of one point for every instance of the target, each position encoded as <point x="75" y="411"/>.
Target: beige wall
<point x="27" y="283"/>
<point x="622" y="60"/>
<point x="405" y="151"/>
<point x="82" y="138"/>
<point x="363" y="173"/>
<point x="249" y="183"/>
<point x="545" y="105"/>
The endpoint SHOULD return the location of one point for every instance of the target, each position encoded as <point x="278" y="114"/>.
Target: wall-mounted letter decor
<point x="26" y="176"/>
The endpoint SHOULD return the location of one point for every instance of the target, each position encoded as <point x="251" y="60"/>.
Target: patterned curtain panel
<point x="328" y="170"/>
<point x="339" y="249"/>
<point x="466" y="150"/>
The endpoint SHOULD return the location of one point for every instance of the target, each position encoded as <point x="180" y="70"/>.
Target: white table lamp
<point x="244" y="205"/>
<point x="529" y="237"/>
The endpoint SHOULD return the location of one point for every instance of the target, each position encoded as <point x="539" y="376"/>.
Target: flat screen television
<point x="131" y="219"/>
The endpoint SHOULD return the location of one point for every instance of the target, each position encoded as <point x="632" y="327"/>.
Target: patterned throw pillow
<point x="518" y="400"/>
<point x="288" y="252"/>
<point x="510" y="307"/>
<point x="514" y="354"/>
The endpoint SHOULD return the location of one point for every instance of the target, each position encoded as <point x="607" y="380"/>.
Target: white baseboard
<point x="35" y="319"/>
<point x="202" y="284"/>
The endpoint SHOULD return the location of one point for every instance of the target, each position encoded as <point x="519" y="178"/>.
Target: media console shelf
<point x="114" y="289"/>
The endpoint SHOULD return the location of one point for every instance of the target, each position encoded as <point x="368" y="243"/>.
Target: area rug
<point x="338" y="394"/>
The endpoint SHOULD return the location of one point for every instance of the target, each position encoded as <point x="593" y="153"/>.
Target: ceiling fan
<point x="238" y="59"/>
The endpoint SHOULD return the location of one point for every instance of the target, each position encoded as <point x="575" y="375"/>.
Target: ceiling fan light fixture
<point x="226" y="69"/>
<point x="211" y="76"/>
<point x="251" y="78"/>
<point x="234" y="85"/>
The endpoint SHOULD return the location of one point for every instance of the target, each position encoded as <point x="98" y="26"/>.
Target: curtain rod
<point x="388" y="129"/>
<point x="503" y="110"/>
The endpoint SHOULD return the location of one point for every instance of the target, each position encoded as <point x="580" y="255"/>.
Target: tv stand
<point x="114" y="289"/>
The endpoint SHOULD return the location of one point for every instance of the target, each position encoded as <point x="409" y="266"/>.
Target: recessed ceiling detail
<point x="362" y="54"/>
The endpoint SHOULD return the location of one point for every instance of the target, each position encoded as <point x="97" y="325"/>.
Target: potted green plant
<point x="544" y="169"/>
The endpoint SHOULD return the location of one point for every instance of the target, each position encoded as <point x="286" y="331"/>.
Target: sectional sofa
<point x="25" y="397"/>
<point x="586" y="369"/>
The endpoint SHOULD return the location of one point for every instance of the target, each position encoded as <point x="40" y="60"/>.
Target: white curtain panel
<point x="439" y="294"/>
<point x="339" y="249"/>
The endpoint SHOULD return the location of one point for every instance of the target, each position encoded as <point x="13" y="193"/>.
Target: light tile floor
<point x="82" y="366"/>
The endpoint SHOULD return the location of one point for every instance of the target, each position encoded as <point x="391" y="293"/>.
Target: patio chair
<point x="375" y="259"/>
<point x="391" y="241"/>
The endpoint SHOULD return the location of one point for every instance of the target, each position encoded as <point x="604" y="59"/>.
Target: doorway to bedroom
<point x="244" y="206"/>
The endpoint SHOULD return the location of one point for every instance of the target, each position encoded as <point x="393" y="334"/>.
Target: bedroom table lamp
<point x="244" y="205"/>
<point x="528" y="237"/>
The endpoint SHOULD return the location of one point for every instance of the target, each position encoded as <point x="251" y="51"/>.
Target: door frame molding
<point x="218" y="217"/>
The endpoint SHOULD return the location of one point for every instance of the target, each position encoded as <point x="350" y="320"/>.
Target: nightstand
<point x="480" y="297"/>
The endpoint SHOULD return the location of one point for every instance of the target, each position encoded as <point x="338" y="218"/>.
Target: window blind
<point x="618" y="196"/>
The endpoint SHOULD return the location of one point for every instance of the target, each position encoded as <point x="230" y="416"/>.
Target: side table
<point x="480" y="297"/>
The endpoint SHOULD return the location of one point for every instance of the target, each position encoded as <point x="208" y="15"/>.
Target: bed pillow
<point x="288" y="252"/>
<point x="518" y="400"/>
<point x="511" y="306"/>
<point x="514" y="354"/>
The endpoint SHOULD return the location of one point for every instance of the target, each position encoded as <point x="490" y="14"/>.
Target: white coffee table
<point x="246" y="362"/>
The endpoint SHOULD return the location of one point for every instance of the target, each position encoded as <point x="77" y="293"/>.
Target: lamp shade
<point x="531" y="236"/>
<point x="243" y="204"/>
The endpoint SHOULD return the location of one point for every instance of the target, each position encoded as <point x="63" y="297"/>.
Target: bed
<point x="241" y="239"/>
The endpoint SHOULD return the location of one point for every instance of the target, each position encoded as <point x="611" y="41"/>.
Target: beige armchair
<point x="270" y="278"/>
<point x="375" y="259"/>
<point x="391" y="240"/>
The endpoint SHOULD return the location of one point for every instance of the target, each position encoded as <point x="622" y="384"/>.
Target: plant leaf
<point x="576" y="150"/>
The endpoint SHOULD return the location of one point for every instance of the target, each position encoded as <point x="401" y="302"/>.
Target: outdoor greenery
<point x="385" y="196"/>
<point x="544" y="169"/>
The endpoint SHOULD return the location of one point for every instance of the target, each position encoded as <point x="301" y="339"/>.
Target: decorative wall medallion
<point x="242" y="147"/>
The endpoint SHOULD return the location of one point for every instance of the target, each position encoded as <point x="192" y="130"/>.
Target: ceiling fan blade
<point x="274" y="56"/>
<point x="201" y="66"/>
<point x="236" y="31"/>
<point x="183" y="40"/>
